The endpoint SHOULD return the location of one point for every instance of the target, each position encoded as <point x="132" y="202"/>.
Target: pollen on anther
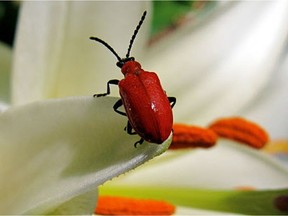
<point x="241" y="130"/>
<point x="111" y="205"/>
<point x="188" y="136"/>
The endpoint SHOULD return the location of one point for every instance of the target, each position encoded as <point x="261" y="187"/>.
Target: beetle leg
<point x="172" y="101"/>
<point x="138" y="142"/>
<point x="118" y="104"/>
<point x="129" y="129"/>
<point x="110" y="82"/>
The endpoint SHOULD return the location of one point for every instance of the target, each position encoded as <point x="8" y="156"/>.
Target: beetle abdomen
<point x="147" y="106"/>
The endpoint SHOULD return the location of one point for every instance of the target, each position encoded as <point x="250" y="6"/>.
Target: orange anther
<point x="241" y="130"/>
<point x="110" y="205"/>
<point x="186" y="136"/>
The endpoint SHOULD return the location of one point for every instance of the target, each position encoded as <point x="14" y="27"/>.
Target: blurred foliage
<point x="8" y="19"/>
<point x="167" y="14"/>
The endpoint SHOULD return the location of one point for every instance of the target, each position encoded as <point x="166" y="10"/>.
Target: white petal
<point x="220" y="67"/>
<point x="80" y="205"/>
<point x="54" y="56"/>
<point x="192" y="211"/>
<point x="270" y="109"/>
<point x="54" y="150"/>
<point x="227" y="165"/>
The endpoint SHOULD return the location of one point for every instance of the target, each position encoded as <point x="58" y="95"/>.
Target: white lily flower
<point x="54" y="153"/>
<point x="218" y="69"/>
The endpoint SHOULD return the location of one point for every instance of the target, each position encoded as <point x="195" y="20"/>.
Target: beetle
<point x="146" y="104"/>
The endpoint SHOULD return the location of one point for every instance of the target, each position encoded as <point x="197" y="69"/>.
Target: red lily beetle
<point x="147" y="107"/>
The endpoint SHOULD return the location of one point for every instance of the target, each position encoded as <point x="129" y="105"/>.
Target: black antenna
<point x="135" y="33"/>
<point x="106" y="45"/>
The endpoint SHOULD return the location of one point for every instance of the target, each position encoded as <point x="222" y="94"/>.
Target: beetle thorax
<point x="131" y="67"/>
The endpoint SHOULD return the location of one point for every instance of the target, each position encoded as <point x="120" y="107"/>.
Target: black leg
<point x="110" y="82"/>
<point x="138" y="142"/>
<point x="118" y="104"/>
<point x="129" y="129"/>
<point x="172" y="101"/>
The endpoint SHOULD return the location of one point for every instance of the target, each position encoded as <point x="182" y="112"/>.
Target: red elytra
<point x="146" y="105"/>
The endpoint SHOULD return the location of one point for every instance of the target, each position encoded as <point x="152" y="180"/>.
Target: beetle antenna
<point x="106" y="45"/>
<point x="135" y="33"/>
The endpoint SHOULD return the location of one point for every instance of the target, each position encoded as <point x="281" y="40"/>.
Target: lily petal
<point x="54" y="56"/>
<point x="223" y="65"/>
<point x="270" y="108"/>
<point x="79" y="205"/>
<point x="227" y="165"/>
<point x="55" y="150"/>
<point x="180" y="210"/>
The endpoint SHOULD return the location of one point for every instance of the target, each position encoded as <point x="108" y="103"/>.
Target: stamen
<point x="186" y="136"/>
<point x="110" y="205"/>
<point x="241" y="130"/>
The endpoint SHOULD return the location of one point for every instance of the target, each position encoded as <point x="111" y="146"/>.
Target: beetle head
<point x="131" y="67"/>
<point x="121" y="63"/>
